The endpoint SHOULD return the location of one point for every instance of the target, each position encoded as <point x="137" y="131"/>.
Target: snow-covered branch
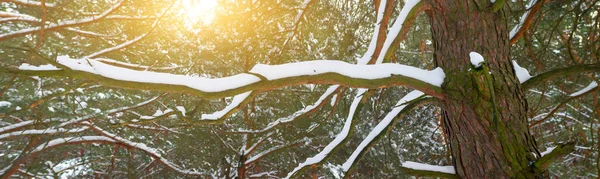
<point x="548" y="75"/>
<point x="410" y="101"/>
<point x="274" y="76"/>
<point x="51" y="130"/>
<point x="525" y="21"/>
<point x="398" y="31"/>
<point x="338" y="140"/>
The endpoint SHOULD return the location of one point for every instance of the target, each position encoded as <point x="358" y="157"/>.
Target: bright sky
<point x="196" y="10"/>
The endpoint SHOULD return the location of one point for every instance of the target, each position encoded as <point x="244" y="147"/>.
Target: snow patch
<point x="47" y="67"/>
<point x="5" y="104"/>
<point x="476" y="59"/>
<point x="585" y="90"/>
<point x="237" y="100"/>
<point x="427" y="167"/>
<point x="522" y="73"/>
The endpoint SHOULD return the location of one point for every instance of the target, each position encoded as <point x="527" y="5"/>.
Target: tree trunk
<point x="485" y="113"/>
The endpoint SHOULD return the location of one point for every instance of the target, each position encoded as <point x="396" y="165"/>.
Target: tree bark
<point x="485" y="110"/>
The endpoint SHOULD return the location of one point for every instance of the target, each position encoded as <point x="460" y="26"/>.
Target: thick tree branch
<point x="543" y="163"/>
<point x="270" y="77"/>
<point x="560" y="72"/>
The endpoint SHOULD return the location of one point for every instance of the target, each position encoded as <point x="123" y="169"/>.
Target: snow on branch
<point x="51" y="130"/>
<point x="381" y="128"/>
<point x="277" y="76"/>
<point x="271" y="150"/>
<point x="339" y="139"/>
<point x="402" y="23"/>
<point x="371" y="72"/>
<point x="238" y="100"/>
<point x="108" y="112"/>
<point x="17" y="16"/>
<point x="71" y="140"/>
<point x="548" y="75"/>
<point x="373" y="44"/>
<point x="60" y="25"/>
<point x="306" y="110"/>
<point x="426" y="170"/>
<point x="522" y="73"/>
<point x="15" y="126"/>
<point x="133" y="66"/>
<point x="591" y="86"/>
<point x="526" y="19"/>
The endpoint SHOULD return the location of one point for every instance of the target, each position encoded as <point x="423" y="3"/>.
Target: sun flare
<point x="199" y="10"/>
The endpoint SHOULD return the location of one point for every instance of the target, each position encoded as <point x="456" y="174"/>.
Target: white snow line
<point x="387" y="120"/>
<point x="272" y="72"/>
<point x="296" y="114"/>
<point x="427" y="167"/>
<point x="373" y="44"/>
<point x="338" y="139"/>
<point x="67" y="140"/>
<point x="114" y="110"/>
<point x="124" y="64"/>
<point x="125" y="74"/>
<point x="15" y="126"/>
<point x="237" y="100"/>
<point x="548" y="151"/>
<point x="590" y="87"/>
<point x="396" y="28"/>
<point x="47" y="67"/>
<point x="4" y="14"/>
<point x="51" y="130"/>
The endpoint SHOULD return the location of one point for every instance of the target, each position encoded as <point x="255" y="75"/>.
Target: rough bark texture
<point x="484" y="113"/>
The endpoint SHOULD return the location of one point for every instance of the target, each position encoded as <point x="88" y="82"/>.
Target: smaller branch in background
<point x="61" y="24"/>
<point x="7" y="85"/>
<point x="525" y="22"/>
<point x="43" y="24"/>
<point x="128" y="43"/>
<point x="30" y="3"/>
<point x="549" y="156"/>
<point x="590" y="89"/>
